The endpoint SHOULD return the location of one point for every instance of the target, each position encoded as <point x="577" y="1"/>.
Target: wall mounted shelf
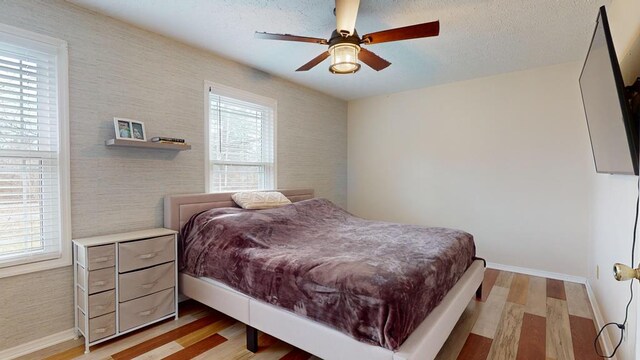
<point x="147" y="145"/>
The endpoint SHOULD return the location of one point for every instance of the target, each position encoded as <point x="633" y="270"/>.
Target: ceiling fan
<point x="345" y="46"/>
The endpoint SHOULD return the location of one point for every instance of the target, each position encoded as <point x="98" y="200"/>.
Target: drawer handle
<point x="149" y="285"/>
<point x="100" y="330"/>
<point x="99" y="283"/>
<point x="101" y="259"/>
<point x="148" y="312"/>
<point x="148" y="256"/>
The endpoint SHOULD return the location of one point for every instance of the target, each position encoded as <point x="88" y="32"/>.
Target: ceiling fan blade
<point x="346" y="14"/>
<point x="316" y="60"/>
<point x="289" y="37"/>
<point x="403" y="33"/>
<point x="374" y="61"/>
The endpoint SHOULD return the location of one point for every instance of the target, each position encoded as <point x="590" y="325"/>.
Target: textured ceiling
<point x="477" y="37"/>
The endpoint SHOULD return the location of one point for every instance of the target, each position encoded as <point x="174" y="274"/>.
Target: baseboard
<point x="38" y="344"/>
<point x="605" y="339"/>
<point x="540" y="273"/>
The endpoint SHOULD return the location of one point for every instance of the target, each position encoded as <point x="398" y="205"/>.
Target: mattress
<point x="375" y="281"/>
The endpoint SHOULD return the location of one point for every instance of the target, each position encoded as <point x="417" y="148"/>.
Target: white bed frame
<point x="318" y="339"/>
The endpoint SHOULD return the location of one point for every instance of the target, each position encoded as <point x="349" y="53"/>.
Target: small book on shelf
<point x="170" y="142"/>
<point x="164" y="139"/>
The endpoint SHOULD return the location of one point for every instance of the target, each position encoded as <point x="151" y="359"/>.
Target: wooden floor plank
<point x="276" y="351"/>
<point x="519" y="289"/>
<point x="578" y="300"/>
<point x="165" y="338"/>
<point x="504" y="279"/>
<point x="532" y="344"/>
<point x="558" y="334"/>
<point x="490" y="313"/>
<point x="490" y="276"/>
<point x="475" y="348"/>
<point x="197" y="348"/>
<point x="583" y="332"/>
<point x="205" y="332"/>
<point x="452" y="347"/>
<point x="505" y="342"/>
<point x="189" y="307"/>
<point x="235" y="347"/>
<point x="296" y="354"/>
<point x="555" y="289"/>
<point x="65" y="355"/>
<point x="160" y="352"/>
<point x="537" y="296"/>
<point x="236" y="329"/>
<point x="265" y="341"/>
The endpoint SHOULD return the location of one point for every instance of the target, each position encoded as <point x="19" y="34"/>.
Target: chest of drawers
<point x="124" y="282"/>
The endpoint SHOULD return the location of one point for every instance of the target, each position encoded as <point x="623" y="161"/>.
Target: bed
<point x="315" y="337"/>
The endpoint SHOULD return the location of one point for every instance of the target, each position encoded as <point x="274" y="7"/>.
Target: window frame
<point x="36" y="41"/>
<point x="242" y="95"/>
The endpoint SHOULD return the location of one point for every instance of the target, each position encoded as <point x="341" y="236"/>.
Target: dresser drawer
<point x="99" y="304"/>
<point x="99" y="327"/>
<point x="100" y="257"/>
<point x="144" y="282"/>
<point x="143" y="253"/>
<point x="100" y="280"/>
<point x="146" y="309"/>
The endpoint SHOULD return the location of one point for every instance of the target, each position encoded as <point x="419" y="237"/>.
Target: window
<point x="240" y="140"/>
<point x="34" y="204"/>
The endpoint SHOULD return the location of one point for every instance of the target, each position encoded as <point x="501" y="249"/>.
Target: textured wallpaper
<point x="119" y="70"/>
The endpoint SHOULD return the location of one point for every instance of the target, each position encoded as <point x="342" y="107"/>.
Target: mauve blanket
<point x="374" y="281"/>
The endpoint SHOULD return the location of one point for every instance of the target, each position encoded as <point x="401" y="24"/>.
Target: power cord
<point x="622" y="326"/>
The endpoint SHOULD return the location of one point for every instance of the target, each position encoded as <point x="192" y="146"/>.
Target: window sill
<point x="32" y="267"/>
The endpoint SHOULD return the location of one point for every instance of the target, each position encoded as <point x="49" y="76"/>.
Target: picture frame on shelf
<point x="137" y="131"/>
<point x="122" y="128"/>
<point x="127" y="129"/>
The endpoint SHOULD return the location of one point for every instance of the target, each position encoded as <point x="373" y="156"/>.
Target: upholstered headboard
<point x="178" y="209"/>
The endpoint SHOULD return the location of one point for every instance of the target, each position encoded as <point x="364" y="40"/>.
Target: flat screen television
<point x="613" y="132"/>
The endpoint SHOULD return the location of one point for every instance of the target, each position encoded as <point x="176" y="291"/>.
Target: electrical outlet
<point x="597" y="272"/>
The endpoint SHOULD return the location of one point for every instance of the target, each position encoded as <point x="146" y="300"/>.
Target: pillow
<point x="255" y="200"/>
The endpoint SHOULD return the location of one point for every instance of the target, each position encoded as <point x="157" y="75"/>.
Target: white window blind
<point x="241" y="143"/>
<point x="30" y="198"/>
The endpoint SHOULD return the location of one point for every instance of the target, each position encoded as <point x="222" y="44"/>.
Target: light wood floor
<point x="519" y="317"/>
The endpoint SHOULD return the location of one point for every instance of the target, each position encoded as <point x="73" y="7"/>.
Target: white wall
<point x="116" y="69"/>
<point x="505" y="158"/>
<point x="612" y="209"/>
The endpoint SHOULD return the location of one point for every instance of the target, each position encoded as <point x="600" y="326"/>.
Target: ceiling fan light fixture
<point x="344" y="58"/>
<point x="344" y="42"/>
